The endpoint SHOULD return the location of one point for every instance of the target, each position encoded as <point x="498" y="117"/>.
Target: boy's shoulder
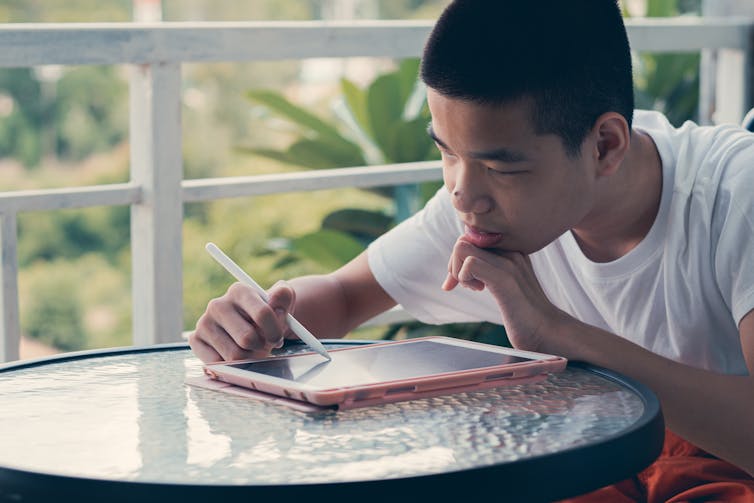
<point x="702" y="159"/>
<point x="711" y="142"/>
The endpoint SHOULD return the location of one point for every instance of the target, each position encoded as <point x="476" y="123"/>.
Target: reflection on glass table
<point x="124" y="425"/>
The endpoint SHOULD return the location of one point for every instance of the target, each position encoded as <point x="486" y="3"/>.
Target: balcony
<point x="156" y="191"/>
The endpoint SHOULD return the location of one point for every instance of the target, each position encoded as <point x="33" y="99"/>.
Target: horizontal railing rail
<point x="156" y="191"/>
<point x="129" y="43"/>
<point x="208" y="189"/>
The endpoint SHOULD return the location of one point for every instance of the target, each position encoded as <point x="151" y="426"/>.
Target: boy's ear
<point x="613" y="139"/>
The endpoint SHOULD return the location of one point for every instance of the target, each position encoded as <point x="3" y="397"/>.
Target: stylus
<point x="241" y="276"/>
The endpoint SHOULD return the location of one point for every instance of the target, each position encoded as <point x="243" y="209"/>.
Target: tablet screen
<point x="379" y="363"/>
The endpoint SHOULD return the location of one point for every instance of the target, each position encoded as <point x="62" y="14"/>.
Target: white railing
<point x="156" y="191"/>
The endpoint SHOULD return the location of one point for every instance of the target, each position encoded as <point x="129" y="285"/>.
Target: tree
<point x="25" y="113"/>
<point x="55" y="314"/>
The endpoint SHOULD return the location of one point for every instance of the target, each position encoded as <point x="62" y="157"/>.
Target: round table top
<point x="129" y="416"/>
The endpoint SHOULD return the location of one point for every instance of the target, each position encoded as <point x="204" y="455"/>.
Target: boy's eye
<point x="505" y="173"/>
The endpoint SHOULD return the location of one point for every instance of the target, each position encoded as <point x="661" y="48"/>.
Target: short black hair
<point x="571" y="57"/>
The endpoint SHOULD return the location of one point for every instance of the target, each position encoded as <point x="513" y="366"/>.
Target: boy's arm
<point x="241" y="325"/>
<point x="713" y="411"/>
<point x="330" y="306"/>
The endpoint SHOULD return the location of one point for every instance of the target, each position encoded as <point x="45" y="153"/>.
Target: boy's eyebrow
<point x="498" y="154"/>
<point x="431" y="133"/>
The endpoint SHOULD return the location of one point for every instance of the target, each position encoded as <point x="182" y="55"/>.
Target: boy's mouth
<point x="480" y="238"/>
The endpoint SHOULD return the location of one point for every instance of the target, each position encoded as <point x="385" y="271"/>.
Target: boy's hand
<point x="528" y="315"/>
<point x="241" y="325"/>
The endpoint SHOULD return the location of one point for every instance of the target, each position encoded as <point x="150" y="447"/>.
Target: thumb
<point x="282" y="296"/>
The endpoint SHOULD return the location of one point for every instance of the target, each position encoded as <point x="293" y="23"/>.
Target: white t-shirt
<point x="680" y="293"/>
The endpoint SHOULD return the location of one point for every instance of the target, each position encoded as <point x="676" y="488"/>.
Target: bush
<point x="54" y="315"/>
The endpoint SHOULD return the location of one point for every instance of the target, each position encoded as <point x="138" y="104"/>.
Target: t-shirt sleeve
<point x="734" y="256"/>
<point x="411" y="262"/>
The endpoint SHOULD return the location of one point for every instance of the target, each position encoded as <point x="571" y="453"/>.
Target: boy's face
<point x="515" y="190"/>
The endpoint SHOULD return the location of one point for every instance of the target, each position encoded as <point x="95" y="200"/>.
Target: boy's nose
<point x="469" y="194"/>
<point x="466" y="202"/>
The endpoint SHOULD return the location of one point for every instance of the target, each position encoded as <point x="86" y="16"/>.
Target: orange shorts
<point x="682" y="473"/>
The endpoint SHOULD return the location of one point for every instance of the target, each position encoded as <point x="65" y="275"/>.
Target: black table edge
<point x="530" y="479"/>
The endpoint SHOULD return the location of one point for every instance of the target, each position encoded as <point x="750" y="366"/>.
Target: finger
<point x="220" y="341"/>
<point x="282" y="296"/>
<point x="257" y="325"/>
<point x="461" y="250"/>
<point x="449" y="283"/>
<point x="234" y="321"/>
<point x="266" y="322"/>
<point x="468" y="275"/>
<point x="268" y="325"/>
<point x="282" y="299"/>
<point x="451" y="280"/>
<point x="203" y="350"/>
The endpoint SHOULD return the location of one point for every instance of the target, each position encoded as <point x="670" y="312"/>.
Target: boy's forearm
<point x="713" y="411"/>
<point x="334" y="304"/>
<point x="320" y="306"/>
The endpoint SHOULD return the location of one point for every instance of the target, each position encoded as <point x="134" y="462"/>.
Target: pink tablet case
<point x="205" y="382"/>
<point x="212" y="384"/>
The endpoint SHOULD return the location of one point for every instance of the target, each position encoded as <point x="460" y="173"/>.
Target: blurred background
<point x="68" y="126"/>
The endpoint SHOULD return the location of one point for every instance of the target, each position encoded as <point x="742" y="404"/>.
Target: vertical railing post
<point x="707" y="86"/>
<point x="10" y="331"/>
<point x="726" y="87"/>
<point x="749" y="73"/>
<point x="156" y="221"/>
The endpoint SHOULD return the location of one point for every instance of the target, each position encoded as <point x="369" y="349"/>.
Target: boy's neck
<point x="628" y="204"/>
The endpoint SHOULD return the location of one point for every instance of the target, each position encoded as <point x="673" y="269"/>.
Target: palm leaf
<point x="356" y="99"/>
<point x="408" y="72"/>
<point x="279" y="104"/>
<point x="323" y="153"/>
<point x="331" y="249"/>
<point x="408" y="141"/>
<point x="385" y="108"/>
<point x="362" y="224"/>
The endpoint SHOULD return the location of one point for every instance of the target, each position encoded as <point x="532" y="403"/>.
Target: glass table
<point x="123" y="425"/>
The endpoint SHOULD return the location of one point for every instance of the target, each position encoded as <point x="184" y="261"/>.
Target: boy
<point x="587" y="231"/>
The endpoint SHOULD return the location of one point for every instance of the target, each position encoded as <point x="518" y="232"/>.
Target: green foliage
<point x="82" y="113"/>
<point x="364" y="226"/>
<point x="246" y="228"/>
<point x="91" y="114"/>
<point x="379" y="124"/>
<point x="382" y="123"/>
<point x="76" y="304"/>
<point x="20" y="130"/>
<point x="321" y="145"/>
<point x="668" y="83"/>
<point x="393" y="122"/>
<point x="55" y="313"/>
<point x="327" y="247"/>
<point x="72" y="233"/>
<point x="25" y="11"/>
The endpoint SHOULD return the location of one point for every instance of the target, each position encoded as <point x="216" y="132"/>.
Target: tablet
<point x="387" y="371"/>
